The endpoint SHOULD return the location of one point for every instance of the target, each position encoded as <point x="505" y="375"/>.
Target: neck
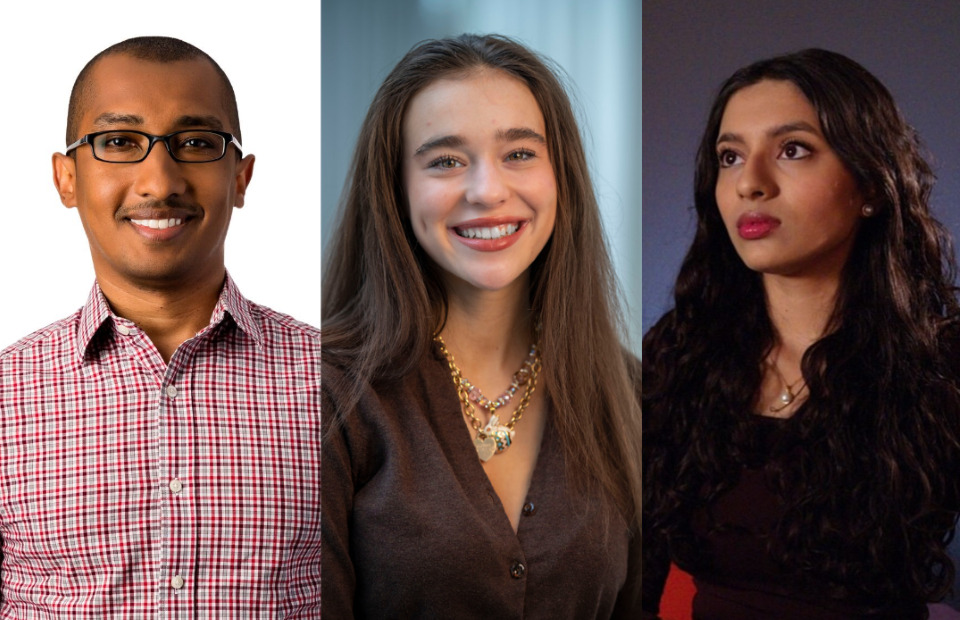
<point x="169" y="314"/>
<point x="489" y="328"/>
<point x="800" y="310"/>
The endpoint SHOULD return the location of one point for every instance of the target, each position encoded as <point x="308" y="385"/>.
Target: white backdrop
<point x="270" y="51"/>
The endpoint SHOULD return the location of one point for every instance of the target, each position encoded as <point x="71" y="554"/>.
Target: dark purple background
<point x="690" y="48"/>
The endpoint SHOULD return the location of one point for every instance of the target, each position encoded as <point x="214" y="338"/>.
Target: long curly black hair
<point x="869" y="496"/>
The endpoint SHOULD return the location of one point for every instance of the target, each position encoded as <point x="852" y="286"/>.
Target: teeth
<point x="159" y="224"/>
<point x="488" y="233"/>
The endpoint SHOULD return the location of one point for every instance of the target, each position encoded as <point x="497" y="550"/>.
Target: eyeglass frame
<point x="228" y="138"/>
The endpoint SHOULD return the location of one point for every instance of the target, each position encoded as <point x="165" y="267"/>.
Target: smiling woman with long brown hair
<point x="481" y="453"/>
<point x="801" y="435"/>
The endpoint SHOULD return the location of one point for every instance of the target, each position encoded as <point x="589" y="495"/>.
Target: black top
<point x="412" y="527"/>
<point x="740" y="580"/>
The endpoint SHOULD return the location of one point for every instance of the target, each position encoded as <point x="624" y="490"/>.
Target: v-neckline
<point x="473" y="471"/>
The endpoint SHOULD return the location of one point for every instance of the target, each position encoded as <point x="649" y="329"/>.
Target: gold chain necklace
<point x="787" y="396"/>
<point x="493" y="438"/>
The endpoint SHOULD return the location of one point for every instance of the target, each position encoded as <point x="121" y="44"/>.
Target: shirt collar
<point x="239" y="307"/>
<point x="97" y="311"/>
<point x="93" y="314"/>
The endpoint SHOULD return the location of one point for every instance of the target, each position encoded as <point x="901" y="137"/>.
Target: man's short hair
<point x="154" y="49"/>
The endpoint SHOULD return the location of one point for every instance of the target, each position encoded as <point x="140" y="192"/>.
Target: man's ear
<point x="65" y="178"/>
<point x="242" y="179"/>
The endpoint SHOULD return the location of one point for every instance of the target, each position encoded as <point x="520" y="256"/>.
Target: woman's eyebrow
<point x="520" y="133"/>
<point x="795" y="126"/>
<point x="503" y="135"/>
<point x="441" y="142"/>
<point x="779" y="130"/>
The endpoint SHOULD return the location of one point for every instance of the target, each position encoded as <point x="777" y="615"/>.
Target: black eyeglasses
<point x="128" y="146"/>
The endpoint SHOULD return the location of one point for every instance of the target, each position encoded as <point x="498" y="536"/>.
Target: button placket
<point x="177" y="421"/>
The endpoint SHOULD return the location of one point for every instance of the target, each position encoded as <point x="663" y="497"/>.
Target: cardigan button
<point x="518" y="570"/>
<point x="529" y="509"/>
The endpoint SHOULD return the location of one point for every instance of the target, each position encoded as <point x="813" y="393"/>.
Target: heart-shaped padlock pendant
<point x="486" y="447"/>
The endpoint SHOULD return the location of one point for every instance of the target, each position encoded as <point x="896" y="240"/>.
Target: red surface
<point x="677" y="596"/>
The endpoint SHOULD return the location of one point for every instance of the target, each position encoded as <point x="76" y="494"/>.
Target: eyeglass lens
<point x="127" y="146"/>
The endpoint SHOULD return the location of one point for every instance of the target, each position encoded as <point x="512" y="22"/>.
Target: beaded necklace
<point x="494" y="438"/>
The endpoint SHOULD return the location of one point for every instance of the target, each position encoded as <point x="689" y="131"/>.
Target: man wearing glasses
<point x="160" y="448"/>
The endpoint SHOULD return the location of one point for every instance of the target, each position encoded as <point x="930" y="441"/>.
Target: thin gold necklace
<point x="787" y="396"/>
<point x="492" y="438"/>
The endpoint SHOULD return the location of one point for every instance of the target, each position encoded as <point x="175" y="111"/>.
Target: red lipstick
<point x="754" y="225"/>
<point x="488" y="234"/>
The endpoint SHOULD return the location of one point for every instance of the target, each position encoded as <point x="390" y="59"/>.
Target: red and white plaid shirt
<point x="131" y="488"/>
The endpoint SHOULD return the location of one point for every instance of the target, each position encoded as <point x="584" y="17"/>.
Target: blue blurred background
<point x="596" y="42"/>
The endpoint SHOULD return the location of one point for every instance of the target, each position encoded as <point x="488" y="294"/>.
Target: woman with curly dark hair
<point x="481" y="449"/>
<point x="800" y="440"/>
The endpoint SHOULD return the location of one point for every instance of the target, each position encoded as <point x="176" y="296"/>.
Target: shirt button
<point x="171" y="391"/>
<point x="518" y="570"/>
<point x="529" y="509"/>
<point x="177" y="582"/>
<point x="176" y="486"/>
<point x="123" y="329"/>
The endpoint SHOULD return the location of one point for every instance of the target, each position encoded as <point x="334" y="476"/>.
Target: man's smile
<point x="158" y="223"/>
<point x="161" y="224"/>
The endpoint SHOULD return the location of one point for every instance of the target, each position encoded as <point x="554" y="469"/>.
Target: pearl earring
<point x="867" y="210"/>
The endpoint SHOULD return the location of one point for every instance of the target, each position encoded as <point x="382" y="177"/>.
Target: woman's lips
<point x="488" y="235"/>
<point x="756" y="225"/>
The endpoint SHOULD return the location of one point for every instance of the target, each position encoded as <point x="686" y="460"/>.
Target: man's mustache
<point x="158" y="209"/>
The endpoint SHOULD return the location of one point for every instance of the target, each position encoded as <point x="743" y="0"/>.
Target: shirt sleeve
<point x="628" y="601"/>
<point x="339" y="581"/>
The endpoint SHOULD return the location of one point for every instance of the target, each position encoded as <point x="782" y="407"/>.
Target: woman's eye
<point x="445" y="162"/>
<point x="728" y="158"/>
<point x="521" y="155"/>
<point x="794" y="150"/>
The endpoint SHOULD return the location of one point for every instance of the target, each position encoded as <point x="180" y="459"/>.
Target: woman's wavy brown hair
<point x="869" y="496"/>
<point x="383" y="299"/>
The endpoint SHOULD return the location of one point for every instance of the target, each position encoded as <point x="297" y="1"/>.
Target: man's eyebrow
<point x="112" y="118"/>
<point x="775" y="132"/>
<point x="189" y="120"/>
<point x="503" y="135"/>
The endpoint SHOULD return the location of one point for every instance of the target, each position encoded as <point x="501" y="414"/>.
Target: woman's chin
<point x="487" y="282"/>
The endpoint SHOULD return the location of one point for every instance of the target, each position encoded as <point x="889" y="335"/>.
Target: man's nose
<point x="159" y="175"/>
